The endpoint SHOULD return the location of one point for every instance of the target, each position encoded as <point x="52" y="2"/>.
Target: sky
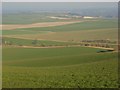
<point x="82" y="8"/>
<point x="59" y="0"/>
<point x="22" y="6"/>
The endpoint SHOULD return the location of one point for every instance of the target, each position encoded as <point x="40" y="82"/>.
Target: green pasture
<point x="70" y="67"/>
<point x="21" y="32"/>
<point x="34" y="42"/>
<point x="73" y="36"/>
<point x="87" y="25"/>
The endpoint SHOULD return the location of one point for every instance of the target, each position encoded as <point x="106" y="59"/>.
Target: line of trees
<point x="96" y="45"/>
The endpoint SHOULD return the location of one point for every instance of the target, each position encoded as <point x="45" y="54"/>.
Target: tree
<point x="34" y="42"/>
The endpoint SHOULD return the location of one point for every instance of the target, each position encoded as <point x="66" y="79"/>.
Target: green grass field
<point x="87" y="25"/>
<point x="99" y="29"/>
<point x="59" y="67"/>
<point x="63" y="67"/>
<point x="35" y="42"/>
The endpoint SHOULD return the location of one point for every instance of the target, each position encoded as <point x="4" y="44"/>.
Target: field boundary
<point x="60" y="47"/>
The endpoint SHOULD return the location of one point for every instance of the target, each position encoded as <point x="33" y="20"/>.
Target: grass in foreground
<point x="59" y="67"/>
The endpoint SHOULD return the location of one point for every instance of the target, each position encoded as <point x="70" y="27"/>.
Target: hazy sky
<point x="22" y="6"/>
<point x="60" y="0"/>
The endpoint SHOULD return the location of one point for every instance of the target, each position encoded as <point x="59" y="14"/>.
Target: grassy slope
<point x="101" y="29"/>
<point x="89" y="25"/>
<point x="76" y="36"/>
<point x="61" y="67"/>
<point x="27" y="42"/>
<point x="20" y="32"/>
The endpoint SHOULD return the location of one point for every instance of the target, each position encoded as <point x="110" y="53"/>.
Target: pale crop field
<point x="73" y="35"/>
<point x="99" y="29"/>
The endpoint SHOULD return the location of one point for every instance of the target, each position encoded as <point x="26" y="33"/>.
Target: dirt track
<point x="64" y="47"/>
<point x="46" y="24"/>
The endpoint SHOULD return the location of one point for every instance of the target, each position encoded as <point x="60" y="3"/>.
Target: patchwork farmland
<point x="64" y="53"/>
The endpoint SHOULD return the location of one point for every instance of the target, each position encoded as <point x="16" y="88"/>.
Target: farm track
<point x="62" y="47"/>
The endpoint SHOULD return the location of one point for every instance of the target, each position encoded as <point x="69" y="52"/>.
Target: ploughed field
<point x="59" y="59"/>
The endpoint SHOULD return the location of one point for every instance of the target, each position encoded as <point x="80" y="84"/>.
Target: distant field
<point x="99" y="29"/>
<point x="36" y="25"/>
<point x="29" y="18"/>
<point x="34" y="42"/>
<point x="25" y="18"/>
<point x="75" y="36"/>
<point x="59" y="67"/>
<point x="87" y="25"/>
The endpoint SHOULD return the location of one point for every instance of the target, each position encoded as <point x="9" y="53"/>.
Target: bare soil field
<point x="46" y="24"/>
